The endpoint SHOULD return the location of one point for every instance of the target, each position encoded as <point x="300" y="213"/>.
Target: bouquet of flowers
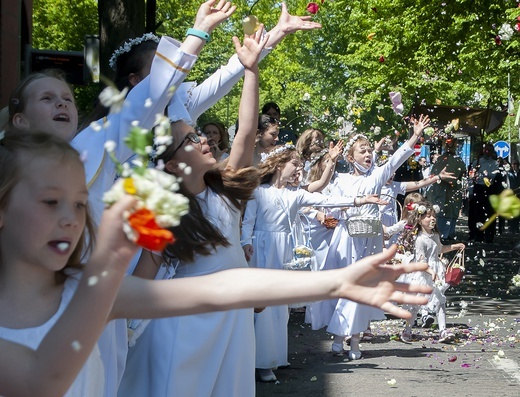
<point x="159" y="206"/>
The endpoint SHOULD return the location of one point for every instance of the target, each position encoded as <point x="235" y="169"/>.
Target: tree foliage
<point x="452" y="53"/>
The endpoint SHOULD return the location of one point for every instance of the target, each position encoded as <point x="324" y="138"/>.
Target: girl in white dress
<point x="51" y="315"/>
<point x="422" y="237"/>
<point x="45" y="103"/>
<point x="350" y="318"/>
<point x="267" y="243"/>
<point x="210" y="354"/>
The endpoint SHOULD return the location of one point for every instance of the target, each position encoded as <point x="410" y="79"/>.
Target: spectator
<point x="285" y="135"/>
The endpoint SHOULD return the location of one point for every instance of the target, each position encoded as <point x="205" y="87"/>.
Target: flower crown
<point x="351" y="142"/>
<point x="279" y="149"/>
<point x="128" y="46"/>
<point x="421" y="209"/>
<point x="316" y="159"/>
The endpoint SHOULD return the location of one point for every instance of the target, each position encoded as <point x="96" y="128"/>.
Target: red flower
<point x="517" y="26"/>
<point x="150" y="235"/>
<point x="498" y="40"/>
<point x="381" y="59"/>
<point x="313" y="8"/>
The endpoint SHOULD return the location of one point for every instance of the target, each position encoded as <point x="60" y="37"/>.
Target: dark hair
<point x="40" y="145"/>
<point x="270" y="105"/>
<point x="196" y="234"/>
<point x="265" y="122"/>
<point x="126" y="64"/>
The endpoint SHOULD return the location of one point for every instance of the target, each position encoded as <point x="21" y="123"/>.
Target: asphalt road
<point x="483" y="361"/>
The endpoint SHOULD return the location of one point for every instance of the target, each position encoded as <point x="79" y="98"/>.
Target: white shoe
<point x="354" y="355"/>
<point x="266" y="375"/>
<point x="337" y="349"/>
<point x="446" y="336"/>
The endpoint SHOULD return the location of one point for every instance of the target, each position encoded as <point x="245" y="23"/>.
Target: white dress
<point x="428" y="249"/>
<point x="389" y="215"/>
<point x="168" y="69"/>
<point x="267" y="218"/>
<point x="90" y="380"/>
<point x="318" y="314"/>
<point x="349" y="317"/>
<point x="199" y="355"/>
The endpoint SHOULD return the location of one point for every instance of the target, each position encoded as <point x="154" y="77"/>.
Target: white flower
<point x="306" y="96"/>
<point x="421" y="209"/>
<point x="340" y="120"/>
<point x="436" y="208"/>
<point x="148" y="103"/>
<point x="392" y="382"/>
<point x="516" y="280"/>
<point x="506" y="32"/>
<point x="323" y="97"/>
<point x="377" y="130"/>
<point x="112" y="98"/>
<point x="95" y="126"/>
<point x="110" y="146"/>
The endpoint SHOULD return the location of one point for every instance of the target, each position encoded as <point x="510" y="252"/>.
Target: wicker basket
<point x="364" y="226"/>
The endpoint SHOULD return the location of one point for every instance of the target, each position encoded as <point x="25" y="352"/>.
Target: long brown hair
<point x="35" y="144"/>
<point x="196" y="234"/>
<point x="277" y="156"/>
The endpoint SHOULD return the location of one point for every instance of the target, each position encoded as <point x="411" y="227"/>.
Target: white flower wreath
<point x="351" y="142"/>
<point x="279" y="149"/>
<point x="127" y="46"/>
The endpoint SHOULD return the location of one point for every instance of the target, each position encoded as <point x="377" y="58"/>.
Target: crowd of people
<point x="210" y="312"/>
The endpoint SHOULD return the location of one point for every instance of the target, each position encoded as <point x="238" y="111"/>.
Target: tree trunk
<point x="119" y="20"/>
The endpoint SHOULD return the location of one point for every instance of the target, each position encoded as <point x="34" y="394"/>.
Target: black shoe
<point x="427" y="321"/>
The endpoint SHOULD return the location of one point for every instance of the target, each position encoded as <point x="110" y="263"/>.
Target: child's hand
<point x="446" y="175"/>
<point x="112" y="243"/>
<point x="249" y="52"/>
<point x="209" y="16"/>
<point x="458" y="246"/>
<point x="288" y="23"/>
<point x="373" y="199"/>
<point x="248" y="251"/>
<point x="420" y="125"/>
<point x="335" y="150"/>
<point x="371" y="282"/>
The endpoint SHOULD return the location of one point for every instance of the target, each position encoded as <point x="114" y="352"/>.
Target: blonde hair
<point x="304" y="142"/>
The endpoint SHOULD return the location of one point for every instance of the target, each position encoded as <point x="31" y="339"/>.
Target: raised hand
<point x="370" y="281"/>
<point x="249" y="52"/>
<point x="288" y="24"/>
<point x="420" y="125"/>
<point x="209" y="16"/>
<point x="335" y="150"/>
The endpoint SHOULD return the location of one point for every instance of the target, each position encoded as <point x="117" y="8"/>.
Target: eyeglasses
<point x="192" y="137"/>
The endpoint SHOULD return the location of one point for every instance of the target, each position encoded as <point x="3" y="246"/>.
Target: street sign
<point x="502" y="149"/>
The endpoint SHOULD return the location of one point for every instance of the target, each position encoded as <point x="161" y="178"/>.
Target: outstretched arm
<point x="368" y="281"/>
<point x="52" y="367"/>
<point x="443" y="175"/>
<point x="243" y="145"/>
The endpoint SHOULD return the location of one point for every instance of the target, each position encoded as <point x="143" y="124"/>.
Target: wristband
<point x="198" y="33"/>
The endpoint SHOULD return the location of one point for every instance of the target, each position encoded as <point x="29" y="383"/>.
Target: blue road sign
<point x="502" y="149"/>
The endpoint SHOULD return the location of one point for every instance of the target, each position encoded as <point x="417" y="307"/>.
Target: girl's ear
<point x="172" y="167"/>
<point x="20" y="122"/>
<point x="134" y="79"/>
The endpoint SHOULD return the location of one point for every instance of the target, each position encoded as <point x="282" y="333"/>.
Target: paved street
<point x="484" y="360"/>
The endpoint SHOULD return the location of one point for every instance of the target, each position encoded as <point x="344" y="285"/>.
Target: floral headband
<point x="128" y="46"/>
<point x="316" y="159"/>
<point x="351" y="142"/>
<point x="279" y="149"/>
<point x="421" y="209"/>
